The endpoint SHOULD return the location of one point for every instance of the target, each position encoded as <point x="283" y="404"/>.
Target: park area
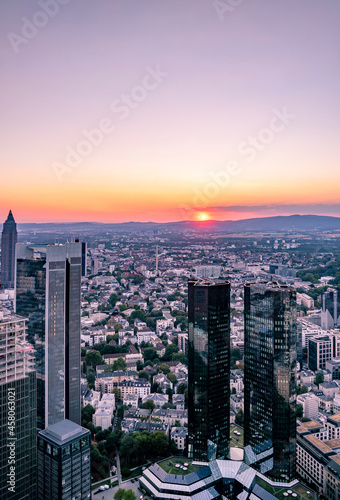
<point x="236" y="436"/>
<point x="179" y="466"/>
<point x="298" y="492"/>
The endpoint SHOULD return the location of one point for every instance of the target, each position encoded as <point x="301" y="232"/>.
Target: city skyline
<point x="230" y="111"/>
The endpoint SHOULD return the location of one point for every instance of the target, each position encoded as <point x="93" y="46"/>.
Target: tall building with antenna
<point x="8" y="242"/>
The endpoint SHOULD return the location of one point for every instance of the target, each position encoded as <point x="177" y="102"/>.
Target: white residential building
<point x="310" y="404"/>
<point x="179" y="435"/>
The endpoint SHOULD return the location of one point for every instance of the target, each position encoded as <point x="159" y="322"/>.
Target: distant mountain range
<point x="278" y="223"/>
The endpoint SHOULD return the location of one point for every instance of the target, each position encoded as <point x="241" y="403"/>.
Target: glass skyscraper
<point x="17" y="412"/>
<point x="8" y="242"/>
<point x="209" y="369"/>
<point x="48" y="279"/>
<point x="330" y="311"/>
<point x="270" y="379"/>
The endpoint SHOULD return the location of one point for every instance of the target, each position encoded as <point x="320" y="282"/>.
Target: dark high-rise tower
<point x="209" y="368"/>
<point x="8" y="241"/>
<point x="64" y="462"/>
<point x="48" y="279"/>
<point x="270" y="379"/>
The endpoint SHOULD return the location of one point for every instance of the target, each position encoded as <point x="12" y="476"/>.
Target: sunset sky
<point x="231" y="112"/>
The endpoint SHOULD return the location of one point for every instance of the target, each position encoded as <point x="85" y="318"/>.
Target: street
<point x="108" y="494"/>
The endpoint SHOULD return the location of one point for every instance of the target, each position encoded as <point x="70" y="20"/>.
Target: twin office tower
<point x="40" y="375"/>
<point x="269" y="375"/>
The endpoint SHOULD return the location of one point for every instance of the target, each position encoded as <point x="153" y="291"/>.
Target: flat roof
<point x="318" y="444"/>
<point x="64" y="431"/>
<point x="333" y="443"/>
<point x="10" y="318"/>
<point x="336" y="417"/>
<point x="311" y="425"/>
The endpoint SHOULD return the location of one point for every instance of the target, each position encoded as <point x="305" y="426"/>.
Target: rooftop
<point x="318" y="444"/>
<point x="335" y="418"/>
<point x="169" y="466"/>
<point x="63" y="431"/>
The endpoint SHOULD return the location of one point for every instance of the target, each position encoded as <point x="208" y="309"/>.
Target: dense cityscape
<point x="167" y="364"/>
<point x="169" y="250"/>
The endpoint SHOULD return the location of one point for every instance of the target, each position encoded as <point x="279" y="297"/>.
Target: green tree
<point x="91" y="380"/>
<point x="117" y="327"/>
<point x="149" y="405"/>
<point x="169" y="351"/>
<point x="113" y="441"/>
<point x="239" y="418"/>
<point x="86" y="413"/>
<point x="143" y="374"/>
<point x="113" y="299"/>
<point x="129" y="495"/>
<point x="172" y="378"/>
<point x="119" y="364"/>
<point x="126" y="447"/>
<point x="301" y="389"/>
<point x="120" y="411"/>
<point x="299" y="411"/>
<point x="180" y="356"/>
<point x="149" y="354"/>
<point x="181" y="388"/>
<point x="119" y="495"/>
<point x="94" y="358"/>
<point x="235" y="355"/>
<point x="164" y="368"/>
<point x="159" y="443"/>
<point x="138" y="314"/>
<point x="319" y="378"/>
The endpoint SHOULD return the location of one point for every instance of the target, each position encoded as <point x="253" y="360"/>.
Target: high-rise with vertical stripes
<point x="47" y="292"/>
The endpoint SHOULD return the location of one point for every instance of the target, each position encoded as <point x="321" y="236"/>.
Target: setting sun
<point x="203" y="216"/>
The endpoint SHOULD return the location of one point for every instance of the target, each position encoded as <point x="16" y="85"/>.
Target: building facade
<point x="47" y="292"/>
<point x="330" y="309"/>
<point x="64" y="462"/>
<point x="270" y="379"/>
<point x="18" y="412"/>
<point x="320" y="350"/>
<point x="209" y="369"/>
<point x="8" y="241"/>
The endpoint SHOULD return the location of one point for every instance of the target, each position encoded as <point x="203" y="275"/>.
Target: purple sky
<point x="224" y="79"/>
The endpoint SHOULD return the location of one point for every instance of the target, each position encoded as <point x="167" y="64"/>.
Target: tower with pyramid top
<point x="8" y="242"/>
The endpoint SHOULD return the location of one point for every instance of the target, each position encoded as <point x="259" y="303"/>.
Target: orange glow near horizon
<point x="140" y="200"/>
<point x="203" y="216"/>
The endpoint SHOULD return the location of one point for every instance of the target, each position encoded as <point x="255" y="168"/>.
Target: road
<point x="109" y="494"/>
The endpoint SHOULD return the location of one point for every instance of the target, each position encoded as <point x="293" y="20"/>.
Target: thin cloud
<point x="292" y="209"/>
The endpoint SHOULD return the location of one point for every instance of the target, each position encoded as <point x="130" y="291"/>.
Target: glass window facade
<point x="48" y="282"/>
<point x="24" y="431"/>
<point x="8" y="240"/>
<point x="209" y="367"/>
<point x="65" y="468"/>
<point x="270" y="380"/>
